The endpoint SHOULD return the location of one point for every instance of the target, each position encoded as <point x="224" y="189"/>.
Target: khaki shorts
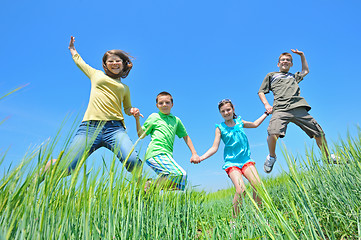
<point x="300" y="117"/>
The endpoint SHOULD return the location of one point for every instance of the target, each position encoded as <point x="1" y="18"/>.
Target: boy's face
<point x="164" y="104"/>
<point x="285" y="63"/>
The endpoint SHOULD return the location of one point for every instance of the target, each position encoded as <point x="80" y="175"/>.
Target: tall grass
<point x="12" y="91"/>
<point x="7" y="94"/>
<point x="313" y="200"/>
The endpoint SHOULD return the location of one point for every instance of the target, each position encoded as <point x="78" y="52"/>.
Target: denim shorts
<point x="92" y="135"/>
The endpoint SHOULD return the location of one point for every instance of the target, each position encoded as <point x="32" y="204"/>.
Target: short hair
<point x="127" y="63"/>
<point x="224" y="102"/>
<point x="285" y="54"/>
<point x="164" y="94"/>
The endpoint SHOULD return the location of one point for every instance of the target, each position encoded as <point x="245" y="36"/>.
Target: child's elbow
<point x="141" y="134"/>
<point x="249" y="125"/>
<point x="214" y="149"/>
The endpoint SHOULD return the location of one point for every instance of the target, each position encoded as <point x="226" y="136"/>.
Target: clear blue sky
<point x="200" y="51"/>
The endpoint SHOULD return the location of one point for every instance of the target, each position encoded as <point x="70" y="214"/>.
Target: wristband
<point x="266" y="113"/>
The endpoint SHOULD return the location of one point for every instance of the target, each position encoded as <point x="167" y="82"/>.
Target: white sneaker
<point x="268" y="164"/>
<point x="333" y="159"/>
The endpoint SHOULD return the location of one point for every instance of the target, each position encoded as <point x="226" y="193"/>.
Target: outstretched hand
<point x="71" y="44"/>
<point x="135" y="112"/>
<point x="296" y="51"/>
<point x="72" y="47"/>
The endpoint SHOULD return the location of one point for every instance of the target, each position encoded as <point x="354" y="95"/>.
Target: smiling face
<point x="164" y="104"/>
<point x="227" y="111"/>
<point x="114" y="64"/>
<point x="285" y="63"/>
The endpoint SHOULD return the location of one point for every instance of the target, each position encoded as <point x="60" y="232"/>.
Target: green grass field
<point x="314" y="200"/>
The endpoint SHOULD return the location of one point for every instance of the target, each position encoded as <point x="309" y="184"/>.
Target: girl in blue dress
<point x="237" y="155"/>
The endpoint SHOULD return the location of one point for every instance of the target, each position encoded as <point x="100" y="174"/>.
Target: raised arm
<point x="267" y="106"/>
<point x="194" y="157"/>
<point x="305" y="69"/>
<point x="72" y="47"/>
<point x="255" y="123"/>
<point x="215" y="146"/>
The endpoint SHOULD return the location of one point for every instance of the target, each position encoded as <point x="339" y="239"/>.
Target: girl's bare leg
<point x="236" y="177"/>
<point x="252" y="176"/>
<point x="48" y="164"/>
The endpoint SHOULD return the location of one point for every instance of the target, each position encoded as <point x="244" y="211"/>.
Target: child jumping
<point x="162" y="127"/>
<point x="288" y="106"/>
<point x="103" y="122"/>
<point x="237" y="154"/>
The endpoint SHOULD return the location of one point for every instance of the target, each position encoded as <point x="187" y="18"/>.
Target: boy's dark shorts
<point x="300" y="117"/>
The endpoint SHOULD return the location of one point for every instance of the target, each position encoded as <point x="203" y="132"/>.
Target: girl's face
<point x="114" y="64"/>
<point x="227" y="111"/>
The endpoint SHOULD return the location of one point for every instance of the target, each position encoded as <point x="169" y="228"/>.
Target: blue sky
<point x="199" y="51"/>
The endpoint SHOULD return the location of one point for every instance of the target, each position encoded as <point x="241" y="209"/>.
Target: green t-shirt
<point x="285" y="90"/>
<point x="162" y="129"/>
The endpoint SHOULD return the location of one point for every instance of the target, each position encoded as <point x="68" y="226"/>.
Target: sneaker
<point x="268" y="164"/>
<point x="333" y="159"/>
<point x="232" y="224"/>
<point x="233" y="228"/>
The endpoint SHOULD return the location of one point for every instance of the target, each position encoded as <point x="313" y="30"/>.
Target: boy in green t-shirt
<point x="288" y="106"/>
<point x="162" y="127"/>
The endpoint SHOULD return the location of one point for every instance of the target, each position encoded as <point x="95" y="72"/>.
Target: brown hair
<point x="127" y="63"/>
<point x="225" y="101"/>
<point x="164" y="94"/>
<point x="285" y="54"/>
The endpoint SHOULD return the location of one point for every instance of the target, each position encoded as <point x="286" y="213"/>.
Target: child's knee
<point x="273" y="137"/>
<point x="240" y="191"/>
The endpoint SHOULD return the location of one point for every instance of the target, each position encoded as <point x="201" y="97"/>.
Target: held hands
<point x="269" y="108"/>
<point x="297" y="52"/>
<point x="135" y="112"/>
<point x="195" y="159"/>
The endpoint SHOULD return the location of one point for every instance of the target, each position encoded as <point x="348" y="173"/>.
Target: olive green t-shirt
<point x="162" y="129"/>
<point x="285" y="90"/>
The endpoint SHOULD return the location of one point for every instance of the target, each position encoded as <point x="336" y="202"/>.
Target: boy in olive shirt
<point x="163" y="126"/>
<point x="288" y="106"/>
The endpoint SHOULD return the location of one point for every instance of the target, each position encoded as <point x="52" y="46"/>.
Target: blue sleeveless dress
<point x="236" y="149"/>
